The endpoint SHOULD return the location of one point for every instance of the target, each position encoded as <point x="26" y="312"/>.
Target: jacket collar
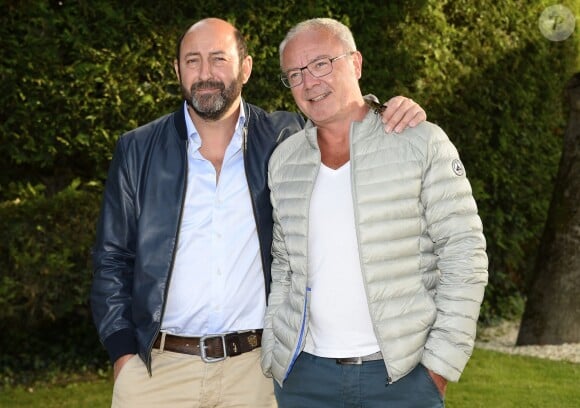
<point x="181" y="127"/>
<point x="367" y="127"/>
<point x="180" y="123"/>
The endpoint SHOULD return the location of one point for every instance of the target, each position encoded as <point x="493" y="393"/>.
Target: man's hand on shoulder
<point x="402" y="112"/>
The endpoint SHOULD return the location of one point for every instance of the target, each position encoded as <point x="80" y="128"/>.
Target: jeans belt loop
<point x="162" y="342"/>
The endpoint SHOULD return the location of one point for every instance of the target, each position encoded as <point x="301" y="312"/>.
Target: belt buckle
<point x="202" y="348"/>
<point x="349" y="361"/>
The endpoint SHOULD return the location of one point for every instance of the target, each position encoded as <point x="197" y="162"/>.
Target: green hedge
<point x="74" y="75"/>
<point x="494" y="83"/>
<point x="45" y="263"/>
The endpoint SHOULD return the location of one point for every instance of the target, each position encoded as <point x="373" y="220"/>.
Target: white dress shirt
<point x="217" y="283"/>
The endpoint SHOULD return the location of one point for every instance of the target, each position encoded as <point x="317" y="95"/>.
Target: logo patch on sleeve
<point x="457" y="167"/>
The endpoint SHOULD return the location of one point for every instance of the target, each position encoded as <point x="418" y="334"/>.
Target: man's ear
<point x="247" y="68"/>
<point x="358" y="61"/>
<point x="176" y="68"/>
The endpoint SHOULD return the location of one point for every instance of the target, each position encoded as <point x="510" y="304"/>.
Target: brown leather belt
<point x="359" y="360"/>
<point x="212" y="348"/>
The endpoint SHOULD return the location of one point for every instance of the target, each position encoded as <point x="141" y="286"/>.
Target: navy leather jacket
<point x="138" y="227"/>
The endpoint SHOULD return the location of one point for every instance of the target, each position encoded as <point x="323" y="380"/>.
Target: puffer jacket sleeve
<point x="279" y="287"/>
<point x="456" y="231"/>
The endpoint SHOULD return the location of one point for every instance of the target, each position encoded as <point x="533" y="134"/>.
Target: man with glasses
<point x="317" y="68"/>
<point x="182" y="255"/>
<point x="379" y="262"/>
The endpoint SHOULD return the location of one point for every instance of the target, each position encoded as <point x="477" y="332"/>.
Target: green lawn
<point x="495" y="380"/>
<point x="86" y="394"/>
<point x="490" y="380"/>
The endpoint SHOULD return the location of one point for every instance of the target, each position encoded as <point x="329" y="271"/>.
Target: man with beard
<point x="182" y="253"/>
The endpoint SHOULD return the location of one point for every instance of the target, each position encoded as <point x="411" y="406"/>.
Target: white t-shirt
<point x="340" y="323"/>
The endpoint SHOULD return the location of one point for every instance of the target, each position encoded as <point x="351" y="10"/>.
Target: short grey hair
<point x="335" y="27"/>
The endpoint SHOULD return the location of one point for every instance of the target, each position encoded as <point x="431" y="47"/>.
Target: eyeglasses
<point x="317" y="68"/>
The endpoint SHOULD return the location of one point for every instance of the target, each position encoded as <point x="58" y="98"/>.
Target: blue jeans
<point x="317" y="382"/>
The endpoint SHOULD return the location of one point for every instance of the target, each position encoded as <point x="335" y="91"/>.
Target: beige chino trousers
<point x="182" y="380"/>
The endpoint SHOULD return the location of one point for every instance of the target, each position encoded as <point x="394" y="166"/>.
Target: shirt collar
<point x="193" y="135"/>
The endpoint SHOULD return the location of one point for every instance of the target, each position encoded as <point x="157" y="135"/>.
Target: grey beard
<point x="213" y="107"/>
<point x="209" y="107"/>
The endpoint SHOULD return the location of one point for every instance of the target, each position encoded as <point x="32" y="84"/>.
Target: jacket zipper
<point x="389" y="379"/>
<point x="252" y="195"/>
<point x="298" y="347"/>
<point x="148" y="362"/>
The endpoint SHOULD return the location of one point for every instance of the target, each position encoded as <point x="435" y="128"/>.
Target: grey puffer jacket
<point x="421" y="245"/>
